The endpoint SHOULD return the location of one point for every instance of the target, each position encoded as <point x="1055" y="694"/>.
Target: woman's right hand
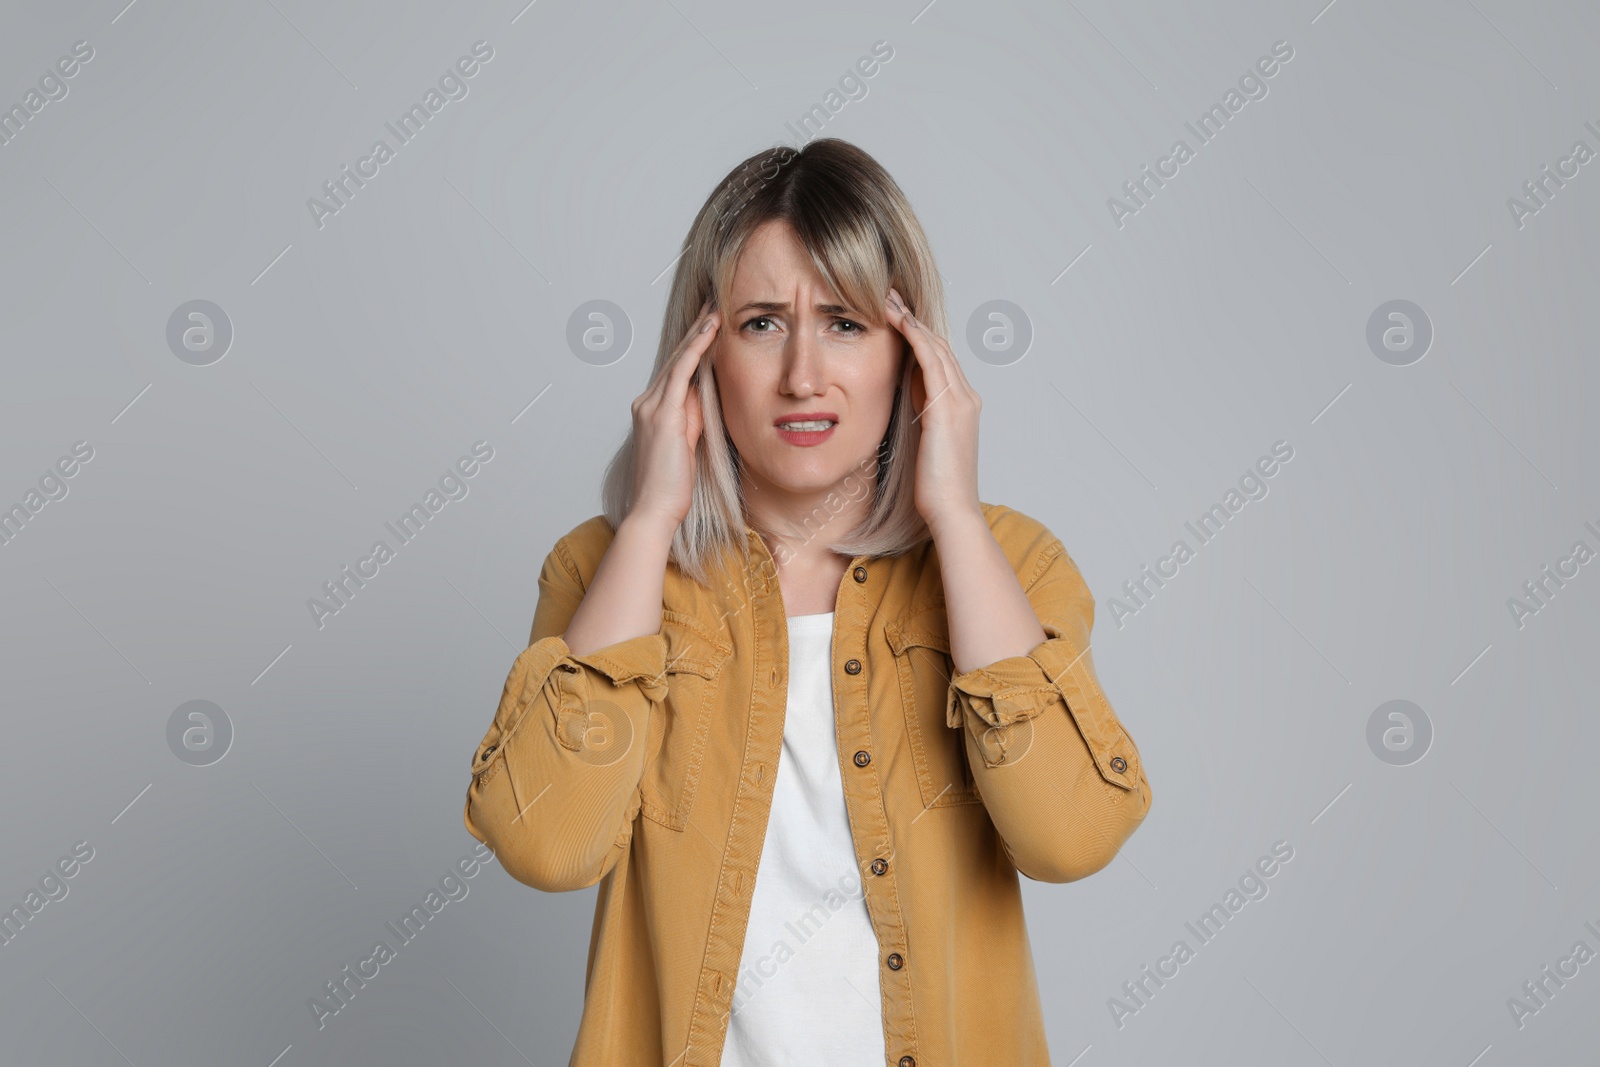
<point x="667" y="424"/>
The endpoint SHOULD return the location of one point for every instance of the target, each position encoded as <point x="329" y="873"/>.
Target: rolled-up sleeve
<point x="1061" y="777"/>
<point x="555" y="780"/>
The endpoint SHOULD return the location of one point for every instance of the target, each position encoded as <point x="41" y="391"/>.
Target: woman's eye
<point x="753" y="327"/>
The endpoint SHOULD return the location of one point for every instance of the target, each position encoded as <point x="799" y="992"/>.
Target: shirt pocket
<point x="677" y="736"/>
<point x="920" y="641"/>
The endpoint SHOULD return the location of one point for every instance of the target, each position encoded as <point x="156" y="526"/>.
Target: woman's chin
<point x="811" y="476"/>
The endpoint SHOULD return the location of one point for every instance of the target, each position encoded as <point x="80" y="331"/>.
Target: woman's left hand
<point x="947" y="407"/>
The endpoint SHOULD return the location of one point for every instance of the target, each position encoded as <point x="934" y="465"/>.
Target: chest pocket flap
<point x="920" y="641"/>
<point x="695" y="657"/>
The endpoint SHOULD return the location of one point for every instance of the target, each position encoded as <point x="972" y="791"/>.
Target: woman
<point x="799" y="701"/>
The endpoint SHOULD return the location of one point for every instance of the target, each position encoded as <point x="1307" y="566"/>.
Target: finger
<point x="953" y="365"/>
<point x="945" y="355"/>
<point x="935" y="376"/>
<point x="663" y="380"/>
<point x="941" y="348"/>
<point x="683" y="368"/>
<point x="694" y="417"/>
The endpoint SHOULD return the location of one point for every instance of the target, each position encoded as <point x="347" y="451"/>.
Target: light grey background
<point x="368" y="355"/>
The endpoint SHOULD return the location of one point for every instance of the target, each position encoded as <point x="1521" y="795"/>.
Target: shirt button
<point x="859" y="574"/>
<point x="852" y="666"/>
<point x="879" y="866"/>
<point x="863" y="758"/>
<point x="895" y="961"/>
<point x="907" y="1061"/>
<point x="1119" y="764"/>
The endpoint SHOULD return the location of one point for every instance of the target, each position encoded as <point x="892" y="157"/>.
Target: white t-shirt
<point x="807" y="992"/>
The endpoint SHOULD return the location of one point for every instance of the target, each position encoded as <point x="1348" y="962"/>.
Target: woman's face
<point x="787" y="351"/>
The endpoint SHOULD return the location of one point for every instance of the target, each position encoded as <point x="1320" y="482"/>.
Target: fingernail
<point x="704" y="326"/>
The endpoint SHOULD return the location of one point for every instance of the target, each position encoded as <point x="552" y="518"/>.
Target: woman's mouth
<point x="805" y="432"/>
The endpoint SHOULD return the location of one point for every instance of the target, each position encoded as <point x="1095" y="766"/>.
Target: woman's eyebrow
<point x="769" y="305"/>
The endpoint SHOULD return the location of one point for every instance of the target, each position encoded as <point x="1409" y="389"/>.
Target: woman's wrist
<point x="957" y="522"/>
<point x="650" y="526"/>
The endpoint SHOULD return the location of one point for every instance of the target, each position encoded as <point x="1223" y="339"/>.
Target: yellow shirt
<point x="648" y="766"/>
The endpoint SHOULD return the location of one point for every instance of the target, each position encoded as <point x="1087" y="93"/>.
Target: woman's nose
<point x="802" y="366"/>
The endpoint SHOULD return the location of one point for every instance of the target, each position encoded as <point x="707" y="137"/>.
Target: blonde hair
<point x="863" y="237"/>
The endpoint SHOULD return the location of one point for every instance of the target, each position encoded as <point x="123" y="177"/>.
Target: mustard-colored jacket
<point x="648" y="766"/>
